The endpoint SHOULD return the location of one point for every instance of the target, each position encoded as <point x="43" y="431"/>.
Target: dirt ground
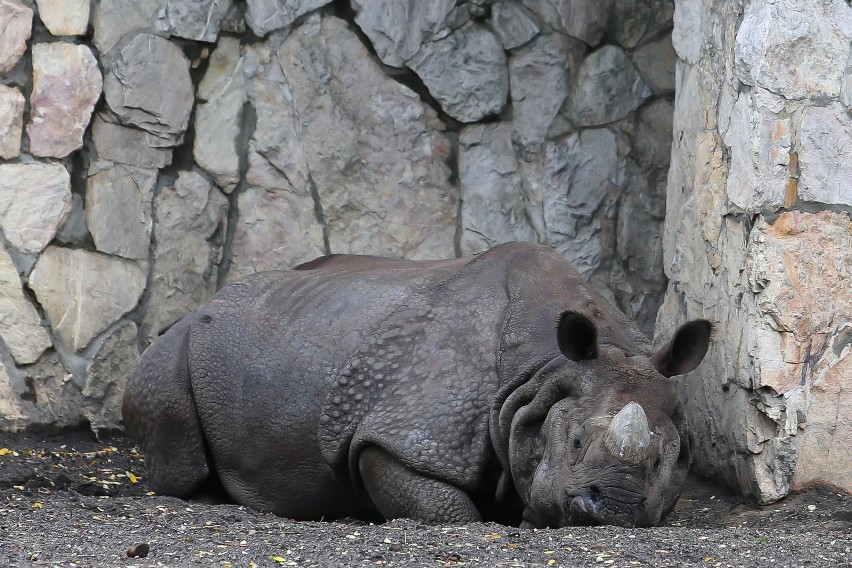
<point x="72" y="501"/>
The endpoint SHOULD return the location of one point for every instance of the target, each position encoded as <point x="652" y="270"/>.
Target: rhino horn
<point x="628" y="435"/>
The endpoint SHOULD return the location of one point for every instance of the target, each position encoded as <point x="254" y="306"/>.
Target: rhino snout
<point x="588" y="507"/>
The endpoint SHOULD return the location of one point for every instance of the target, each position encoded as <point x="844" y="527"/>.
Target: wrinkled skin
<point x="497" y="387"/>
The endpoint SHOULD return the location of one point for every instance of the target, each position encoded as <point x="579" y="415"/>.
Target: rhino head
<point x="598" y="435"/>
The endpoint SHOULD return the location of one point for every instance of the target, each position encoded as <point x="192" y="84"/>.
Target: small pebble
<point x="138" y="550"/>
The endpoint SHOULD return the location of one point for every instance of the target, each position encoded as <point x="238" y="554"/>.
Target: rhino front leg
<point x="398" y="491"/>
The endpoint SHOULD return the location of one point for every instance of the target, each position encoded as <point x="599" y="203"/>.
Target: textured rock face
<point x="106" y="376"/>
<point x="264" y="16"/>
<point x="191" y="225"/>
<point x="66" y="85"/>
<point x="34" y="201"/>
<point x="757" y="238"/>
<point x="11" y="121"/>
<point x="64" y="17"/>
<point x="118" y="210"/>
<point x="84" y="292"/>
<point x="16" y="23"/>
<point x="20" y="326"/>
<point x="148" y="86"/>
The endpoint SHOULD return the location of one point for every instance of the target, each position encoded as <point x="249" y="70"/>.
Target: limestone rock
<point x="652" y="143"/>
<point x="577" y="174"/>
<point x="218" y="119"/>
<point x="11" y="121"/>
<point x="12" y="416"/>
<point x="655" y="62"/>
<point x="811" y="38"/>
<point x="188" y="236"/>
<point x="16" y="21"/>
<point x="826" y="143"/>
<point x="539" y="74"/>
<point x="375" y="154"/>
<point x="84" y="292"/>
<point x="687" y="33"/>
<point x="118" y="210"/>
<point x="126" y="145"/>
<point x="64" y="17"/>
<point x="277" y="227"/>
<point x="114" y="19"/>
<point x="494" y="209"/>
<point x="106" y="377"/>
<point x="20" y="324"/>
<point x="632" y="21"/>
<point x="760" y="147"/>
<point x="465" y="71"/>
<point x="397" y="29"/>
<point x="264" y="16"/>
<point x="35" y="199"/>
<point x="607" y="89"/>
<point x="148" y="85"/>
<point x="585" y="20"/>
<point x="66" y="85"/>
<point x="512" y="24"/>
<point x="74" y="230"/>
<point x="200" y="20"/>
<point x="48" y="395"/>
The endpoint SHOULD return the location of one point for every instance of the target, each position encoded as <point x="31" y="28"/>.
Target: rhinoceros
<point x="494" y="387"/>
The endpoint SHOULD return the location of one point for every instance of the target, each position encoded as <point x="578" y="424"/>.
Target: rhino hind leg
<point x="159" y="412"/>
<point x="398" y="491"/>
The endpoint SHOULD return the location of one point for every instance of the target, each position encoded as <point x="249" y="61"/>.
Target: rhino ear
<point x="685" y="350"/>
<point x="577" y="336"/>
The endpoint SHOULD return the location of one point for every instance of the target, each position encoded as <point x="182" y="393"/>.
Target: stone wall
<point x="153" y="150"/>
<point x="758" y="237"/>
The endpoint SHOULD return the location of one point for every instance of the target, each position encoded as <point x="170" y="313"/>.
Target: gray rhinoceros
<point x="497" y="387"/>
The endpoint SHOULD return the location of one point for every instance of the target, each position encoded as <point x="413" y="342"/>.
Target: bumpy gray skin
<point x="447" y="391"/>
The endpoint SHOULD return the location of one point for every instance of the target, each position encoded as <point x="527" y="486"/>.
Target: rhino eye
<point x="577" y="443"/>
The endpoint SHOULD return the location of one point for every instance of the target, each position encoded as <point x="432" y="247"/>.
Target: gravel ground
<point x="72" y="501"/>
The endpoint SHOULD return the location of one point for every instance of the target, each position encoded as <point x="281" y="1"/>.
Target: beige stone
<point x="106" y="377"/>
<point x="35" y="199"/>
<point x="66" y="85"/>
<point x="20" y="324"/>
<point x="11" y="121"/>
<point x="16" y="23"/>
<point x="84" y="292"/>
<point x="64" y="17"/>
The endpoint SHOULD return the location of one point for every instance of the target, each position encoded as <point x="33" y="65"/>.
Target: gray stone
<point x="74" y="230"/>
<point x="374" y="152"/>
<point x="218" y="119"/>
<point x="585" y="20"/>
<point x="114" y="19"/>
<point x="118" y="210"/>
<point x="188" y="237"/>
<point x="397" y="29"/>
<point x="686" y="36"/>
<point x="760" y="146"/>
<point x="578" y="173"/>
<point x="465" y="71"/>
<point x="106" y="377"/>
<point x="652" y="143"/>
<point x="494" y="208"/>
<point x="277" y="227"/>
<point x="84" y="292"/>
<point x="11" y="121"/>
<point x="126" y="145"/>
<point x="45" y="395"/>
<point x="16" y="21"/>
<point x="512" y="24"/>
<point x="795" y="48"/>
<point x="824" y="155"/>
<point x="200" y="20"/>
<point x="655" y="62"/>
<point x="66" y="85"/>
<point x="35" y="199"/>
<point x="632" y="21"/>
<point x="264" y="16"/>
<point x="147" y="85"/>
<point x="539" y="74"/>
<point x="20" y="324"/>
<point x="607" y="88"/>
<point x="64" y="17"/>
